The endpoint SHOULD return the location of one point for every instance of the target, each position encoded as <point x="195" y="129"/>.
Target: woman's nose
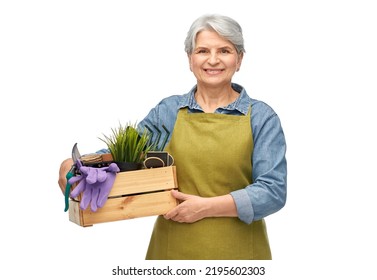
<point x="213" y="58"/>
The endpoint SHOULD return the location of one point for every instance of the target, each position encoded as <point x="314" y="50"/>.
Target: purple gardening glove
<point x="95" y="185"/>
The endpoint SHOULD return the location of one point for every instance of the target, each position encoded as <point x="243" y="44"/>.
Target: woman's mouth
<point x="213" y="71"/>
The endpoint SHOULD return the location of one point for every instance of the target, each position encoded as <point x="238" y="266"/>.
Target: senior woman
<point x="229" y="152"/>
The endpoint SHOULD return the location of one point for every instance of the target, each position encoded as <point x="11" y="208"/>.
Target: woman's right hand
<point x="64" y="168"/>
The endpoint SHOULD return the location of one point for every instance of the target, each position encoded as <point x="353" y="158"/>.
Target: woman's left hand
<point x="192" y="208"/>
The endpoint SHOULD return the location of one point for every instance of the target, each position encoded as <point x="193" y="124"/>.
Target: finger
<point x="94" y="198"/>
<point x="101" y="175"/>
<point x="78" y="189"/>
<point x="86" y="197"/>
<point x="106" y="189"/>
<point x="63" y="170"/>
<point x="113" y="168"/>
<point x="62" y="184"/>
<point x="84" y="170"/>
<point x="92" y="176"/>
<point x="75" y="179"/>
<point x="179" y="195"/>
<point x="172" y="213"/>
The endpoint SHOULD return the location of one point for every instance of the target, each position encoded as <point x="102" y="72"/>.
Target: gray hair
<point x="225" y="26"/>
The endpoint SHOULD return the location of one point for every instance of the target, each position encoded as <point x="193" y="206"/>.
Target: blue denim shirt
<point x="267" y="193"/>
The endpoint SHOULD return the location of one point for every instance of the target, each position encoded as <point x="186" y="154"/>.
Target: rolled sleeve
<point x="243" y="204"/>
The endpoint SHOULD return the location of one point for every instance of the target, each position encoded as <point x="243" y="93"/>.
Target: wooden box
<point x="134" y="194"/>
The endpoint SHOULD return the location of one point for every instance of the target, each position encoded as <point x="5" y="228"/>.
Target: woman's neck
<point x="210" y="99"/>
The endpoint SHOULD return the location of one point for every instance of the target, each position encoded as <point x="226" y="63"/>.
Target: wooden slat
<point x="145" y="180"/>
<point x="123" y="208"/>
<point x="75" y="214"/>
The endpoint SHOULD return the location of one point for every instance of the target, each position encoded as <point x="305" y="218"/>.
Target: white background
<point x="71" y="70"/>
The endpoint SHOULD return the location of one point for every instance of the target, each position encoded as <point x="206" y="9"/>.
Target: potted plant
<point x="127" y="146"/>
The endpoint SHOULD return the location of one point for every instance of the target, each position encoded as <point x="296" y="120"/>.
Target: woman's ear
<point x="240" y="57"/>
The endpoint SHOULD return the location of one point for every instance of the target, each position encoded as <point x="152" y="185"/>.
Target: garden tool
<point x="96" y="160"/>
<point x="157" y="140"/>
<point x="75" y="157"/>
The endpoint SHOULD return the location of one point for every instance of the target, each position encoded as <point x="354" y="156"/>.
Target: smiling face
<point x="214" y="59"/>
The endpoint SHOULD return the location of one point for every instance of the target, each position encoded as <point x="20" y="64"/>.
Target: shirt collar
<point x="241" y="104"/>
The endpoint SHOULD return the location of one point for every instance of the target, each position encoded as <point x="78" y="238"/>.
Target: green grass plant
<point x="126" y="144"/>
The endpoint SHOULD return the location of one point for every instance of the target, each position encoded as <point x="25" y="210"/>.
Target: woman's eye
<point x="225" y="51"/>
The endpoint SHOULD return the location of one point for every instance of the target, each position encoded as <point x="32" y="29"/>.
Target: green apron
<point x="212" y="154"/>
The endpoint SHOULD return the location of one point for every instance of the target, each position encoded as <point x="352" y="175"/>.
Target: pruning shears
<point x="75" y="157"/>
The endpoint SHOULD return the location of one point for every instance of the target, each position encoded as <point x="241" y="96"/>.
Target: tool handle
<point x="69" y="175"/>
